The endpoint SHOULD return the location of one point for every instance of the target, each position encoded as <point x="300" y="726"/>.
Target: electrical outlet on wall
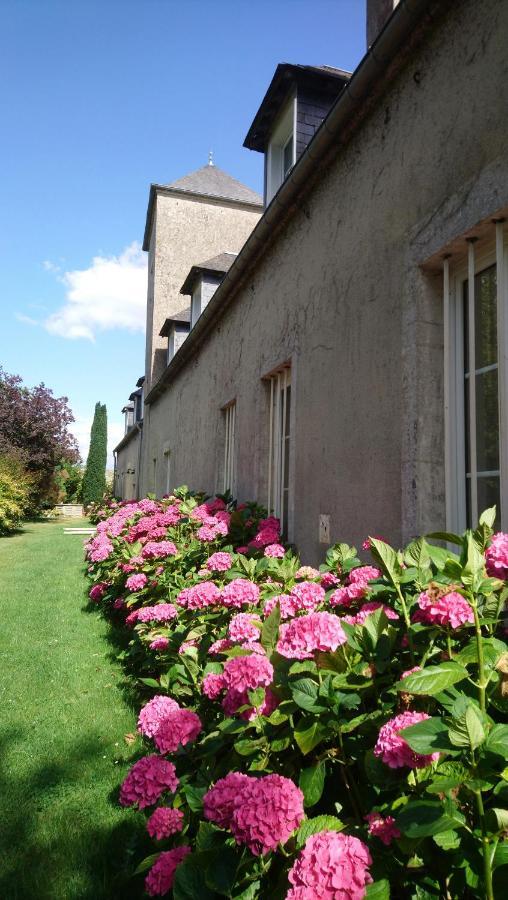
<point x="324" y="529"/>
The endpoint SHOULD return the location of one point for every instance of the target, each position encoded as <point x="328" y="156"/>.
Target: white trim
<point x="229" y="474"/>
<point x="280" y="434"/>
<point x="475" y="260"/>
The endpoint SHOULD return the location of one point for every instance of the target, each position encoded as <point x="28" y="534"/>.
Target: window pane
<point x="487" y="422"/>
<point x="288" y="408"/>
<point x="288" y="156"/>
<point x="465" y="319"/>
<point x="485" y="287"/>
<point x="489" y="495"/>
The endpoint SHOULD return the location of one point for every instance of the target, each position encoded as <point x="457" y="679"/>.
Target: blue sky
<point x="98" y="99"/>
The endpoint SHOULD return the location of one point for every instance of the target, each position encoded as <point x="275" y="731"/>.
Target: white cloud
<point x="27" y="320"/>
<point x="51" y="266"/>
<point x="110" y="294"/>
<point x="81" y="431"/>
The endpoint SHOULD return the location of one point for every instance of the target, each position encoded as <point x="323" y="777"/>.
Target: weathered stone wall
<point x="186" y="231"/>
<point x="341" y="293"/>
<point x="128" y="468"/>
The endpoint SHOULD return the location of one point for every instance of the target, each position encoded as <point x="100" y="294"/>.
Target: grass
<point x="62" y="725"/>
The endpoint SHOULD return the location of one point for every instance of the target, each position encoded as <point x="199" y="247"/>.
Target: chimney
<point x="378" y="12"/>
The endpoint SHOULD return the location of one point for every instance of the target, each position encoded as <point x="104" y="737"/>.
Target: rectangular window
<point x="475" y="394"/>
<point x="229" y="480"/>
<point x="279" y="446"/>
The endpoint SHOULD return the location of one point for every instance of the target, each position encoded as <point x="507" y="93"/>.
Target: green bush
<point x="15" y="487"/>
<point x="94" y="479"/>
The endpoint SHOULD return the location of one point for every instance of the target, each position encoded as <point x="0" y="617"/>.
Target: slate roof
<point x="210" y="181"/>
<point x="326" y="80"/>
<point x="183" y="316"/>
<point x="217" y="265"/>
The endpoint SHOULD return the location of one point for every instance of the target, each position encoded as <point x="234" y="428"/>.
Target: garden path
<point x="63" y="716"/>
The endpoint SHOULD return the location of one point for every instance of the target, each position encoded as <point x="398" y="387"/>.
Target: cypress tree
<point x="94" y="479"/>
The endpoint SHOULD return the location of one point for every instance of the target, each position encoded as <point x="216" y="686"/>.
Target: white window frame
<point x="477" y="257"/>
<point x="279" y="482"/>
<point x="229" y="473"/>
<point x="167" y="457"/>
<point x="283" y="132"/>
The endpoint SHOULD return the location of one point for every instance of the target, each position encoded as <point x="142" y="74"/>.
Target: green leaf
<point x="312" y="782"/>
<point x="446" y="536"/>
<point x="249" y="747"/>
<point x="150" y="682"/>
<point x="424" y="818"/>
<point x="447" y="840"/>
<point x="190" y="880"/>
<point x="378" y="890"/>
<point x="440" y="556"/>
<point x="468" y="730"/>
<point x="429" y="736"/>
<point x="501" y="855"/>
<point x="209" y="836"/>
<point x="417" y="554"/>
<point x="305" y="694"/>
<point x="387" y="558"/>
<point x="221" y="871"/>
<point x="146" y="863"/>
<point x="497" y="819"/>
<point x="250" y="893"/>
<point x="314" y="826"/>
<point x="475" y="563"/>
<point x="308" y="734"/>
<point x="497" y="741"/>
<point x="374" y="625"/>
<point x="305" y="665"/>
<point x="488" y="517"/>
<point x="270" y="631"/>
<point x="433" y="679"/>
<point x="194" y="797"/>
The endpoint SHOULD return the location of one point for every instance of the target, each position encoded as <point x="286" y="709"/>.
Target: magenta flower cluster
<point x="161" y="612"/>
<point x="153" y="712"/>
<point x="147" y="780"/>
<point x="158" y="549"/>
<point x="331" y="866"/>
<point x="301" y="637"/>
<point x="450" y="610"/>
<point x="164" y="822"/>
<point x="159" y="880"/>
<point x="260" y="812"/>
<point x="496" y="556"/>
<point x="176" y="729"/>
<point x="394" y="750"/>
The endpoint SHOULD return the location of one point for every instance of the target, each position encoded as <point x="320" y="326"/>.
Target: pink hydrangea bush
<point x="147" y="781"/>
<point x="331" y="865"/>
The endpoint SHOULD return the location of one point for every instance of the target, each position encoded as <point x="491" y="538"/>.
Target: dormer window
<point x="128" y="412"/>
<point x="202" y="282"/>
<point x="295" y="104"/>
<point x="176" y="330"/>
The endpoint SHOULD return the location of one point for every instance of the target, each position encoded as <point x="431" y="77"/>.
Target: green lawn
<point x="63" y="717"/>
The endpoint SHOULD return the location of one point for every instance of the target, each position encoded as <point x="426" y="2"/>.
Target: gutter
<point x="336" y="128"/>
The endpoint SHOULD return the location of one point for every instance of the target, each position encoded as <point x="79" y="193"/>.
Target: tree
<point x="34" y="431"/>
<point x="94" y="479"/>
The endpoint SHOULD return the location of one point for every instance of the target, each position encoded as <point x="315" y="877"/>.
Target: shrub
<point x="15" y="486"/>
<point x="94" y="478"/>
<point x="334" y="732"/>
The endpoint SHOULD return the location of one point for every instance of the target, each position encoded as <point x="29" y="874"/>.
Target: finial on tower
<point x="210" y="158"/>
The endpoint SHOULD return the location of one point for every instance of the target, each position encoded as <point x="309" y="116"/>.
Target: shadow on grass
<point x="118" y="638"/>
<point x="52" y="847"/>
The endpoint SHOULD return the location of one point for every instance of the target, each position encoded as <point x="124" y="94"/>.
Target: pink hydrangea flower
<point x="220" y="801"/>
<point x="451" y="610"/>
<point x="260" y="812"/>
<point x="187" y="645"/>
<point x="158" y="549"/>
<point x="369" y="608"/>
<point x="271" y="811"/>
<point x="287" y="606"/>
<point x="411" y="671"/>
<point x="119" y="603"/>
<point x="149" y="777"/>
<point x="234" y="700"/>
<point x="246" y="673"/>
<point x="161" y="612"/>
<point x="242" y="550"/>
<point x="213" y="685"/>
<point x="164" y="822"/>
<point x="242" y="627"/>
<point x="136" y="582"/>
<point x="357" y="586"/>
<point x="394" y="750"/>
<point x="178" y="728"/>
<point x="306" y="596"/>
<point x="199" y="596"/>
<point x="219" y="562"/>
<point x="159" y="880"/>
<point x="496" y="556"/>
<point x="332" y="865"/>
<point x="384" y="829"/>
<point x="329" y="580"/>
<point x="132" y="618"/>
<point x="160" y="643"/>
<point x="220" y="646"/>
<point x="307" y="572"/>
<point x="316" y="631"/>
<point x="153" y="712"/>
<point x="363" y="574"/>
<point x="274" y="550"/>
<point x="240" y="592"/>
<point x="97" y="592"/>
<point x="213" y="529"/>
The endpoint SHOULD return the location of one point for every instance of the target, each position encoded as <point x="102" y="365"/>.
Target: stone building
<point x="350" y="370"/>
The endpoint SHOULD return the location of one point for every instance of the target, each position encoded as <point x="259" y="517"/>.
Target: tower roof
<point x="208" y="181"/>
